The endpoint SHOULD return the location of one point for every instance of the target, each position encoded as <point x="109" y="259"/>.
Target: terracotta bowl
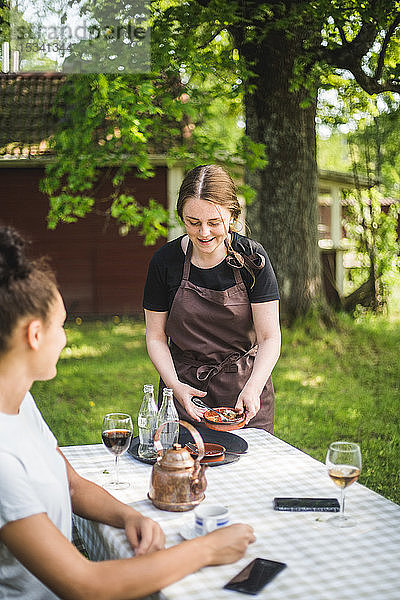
<point x="211" y="422"/>
<point x="213" y="452"/>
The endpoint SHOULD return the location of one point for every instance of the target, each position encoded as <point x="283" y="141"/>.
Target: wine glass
<point x="343" y="461"/>
<point x="116" y="434"/>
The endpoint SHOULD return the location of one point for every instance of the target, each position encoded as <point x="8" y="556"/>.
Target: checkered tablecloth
<point x="323" y="563"/>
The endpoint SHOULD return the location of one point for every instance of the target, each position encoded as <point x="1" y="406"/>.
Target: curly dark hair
<point x="27" y="287"/>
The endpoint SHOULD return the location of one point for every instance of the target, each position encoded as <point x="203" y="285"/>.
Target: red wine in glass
<point x="116" y="434"/>
<point x="116" y="440"/>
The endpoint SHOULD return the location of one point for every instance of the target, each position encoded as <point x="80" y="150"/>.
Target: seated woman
<point x="38" y="487"/>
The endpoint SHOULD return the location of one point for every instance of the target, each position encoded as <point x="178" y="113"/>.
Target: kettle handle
<point x="197" y="438"/>
<point x="195" y="434"/>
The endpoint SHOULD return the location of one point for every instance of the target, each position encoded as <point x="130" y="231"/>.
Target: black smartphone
<point x="255" y="576"/>
<point x="307" y="504"/>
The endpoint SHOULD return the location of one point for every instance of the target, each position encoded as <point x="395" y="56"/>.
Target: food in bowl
<point x="214" y="421"/>
<point x="228" y="413"/>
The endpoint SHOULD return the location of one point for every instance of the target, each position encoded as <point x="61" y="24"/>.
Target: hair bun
<point x="13" y="262"/>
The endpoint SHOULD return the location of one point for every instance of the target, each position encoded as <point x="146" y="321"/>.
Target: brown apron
<point x="213" y="344"/>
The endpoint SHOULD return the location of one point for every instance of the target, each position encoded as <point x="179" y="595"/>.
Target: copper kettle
<point x="177" y="480"/>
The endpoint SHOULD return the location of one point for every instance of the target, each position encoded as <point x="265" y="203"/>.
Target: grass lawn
<point x="329" y="384"/>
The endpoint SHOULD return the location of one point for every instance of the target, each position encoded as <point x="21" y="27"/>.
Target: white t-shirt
<point x="33" y="479"/>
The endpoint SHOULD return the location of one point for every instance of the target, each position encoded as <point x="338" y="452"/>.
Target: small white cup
<point x="211" y="517"/>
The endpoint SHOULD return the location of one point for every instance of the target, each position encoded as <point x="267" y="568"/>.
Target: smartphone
<point x="307" y="504"/>
<point x="255" y="576"/>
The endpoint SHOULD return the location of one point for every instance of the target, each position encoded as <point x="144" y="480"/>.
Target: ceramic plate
<point x="133" y="451"/>
<point x="230" y="441"/>
<point x="212" y="452"/>
<point x="228" y="458"/>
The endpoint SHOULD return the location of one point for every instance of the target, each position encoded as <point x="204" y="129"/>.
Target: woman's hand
<point x="228" y="544"/>
<point x="143" y="534"/>
<point x="249" y="402"/>
<point x="184" y="394"/>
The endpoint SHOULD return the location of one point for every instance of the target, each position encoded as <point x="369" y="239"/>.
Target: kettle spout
<point x="198" y="481"/>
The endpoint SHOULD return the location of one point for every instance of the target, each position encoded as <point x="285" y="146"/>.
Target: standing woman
<point x="211" y="307"/>
<point x="38" y="487"/>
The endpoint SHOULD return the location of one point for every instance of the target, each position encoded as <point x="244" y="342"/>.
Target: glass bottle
<point x="147" y="423"/>
<point x="168" y="412"/>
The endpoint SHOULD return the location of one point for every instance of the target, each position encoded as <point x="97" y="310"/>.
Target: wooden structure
<point x="100" y="272"/>
<point x="330" y="230"/>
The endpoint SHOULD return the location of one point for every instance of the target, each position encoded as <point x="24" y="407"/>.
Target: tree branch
<point x="355" y="49"/>
<point x="350" y="55"/>
<point x="211" y="38"/>
<point x="385" y="44"/>
<point x="342" y="36"/>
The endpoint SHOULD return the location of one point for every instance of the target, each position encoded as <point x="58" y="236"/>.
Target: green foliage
<point x="382" y="133"/>
<point x="148" y="219"/>
<point x="109" y="125"/>
<point x="333" y="153"/>
<point x="4" y="21"/>
<point x="372" y="153"/>
<point x="373" y="233"/>
<point x="120" y="120"/>
<point x="125" y="117"/>
<point x="68" y="209"/>
<point x="329" y="383"/>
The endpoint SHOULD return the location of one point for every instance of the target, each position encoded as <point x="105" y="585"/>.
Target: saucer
<point x="212" y="452"/>
<point x="187" y="531"/>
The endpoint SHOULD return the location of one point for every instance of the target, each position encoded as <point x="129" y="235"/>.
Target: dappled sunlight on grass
<point x="293" y="375"/>
<point x="133" y="344"/>
<point x="128" y="329"/>
<point x="73" y="335"/>
<point x="303" y="378"/>
<point x="307" y="400"/>
<point x="84" y="351"/>
<point x="313" y="382"/>
<point x="353" y="413"/>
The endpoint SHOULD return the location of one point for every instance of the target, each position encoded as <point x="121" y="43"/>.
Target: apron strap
<point x="188" y="256"/>
<point x="238" y="276"/>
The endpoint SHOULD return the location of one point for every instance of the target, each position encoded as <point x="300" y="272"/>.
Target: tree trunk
<point x="365" y="296"/>
<point x="284" y="215"/>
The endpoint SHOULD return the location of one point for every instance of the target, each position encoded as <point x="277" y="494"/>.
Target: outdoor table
<point x="323" y="562"/>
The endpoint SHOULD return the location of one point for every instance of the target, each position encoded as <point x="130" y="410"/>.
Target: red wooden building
<point x="99" y="271"/>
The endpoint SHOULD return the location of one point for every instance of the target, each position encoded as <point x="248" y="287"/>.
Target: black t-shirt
<point x="166" y="268"/>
